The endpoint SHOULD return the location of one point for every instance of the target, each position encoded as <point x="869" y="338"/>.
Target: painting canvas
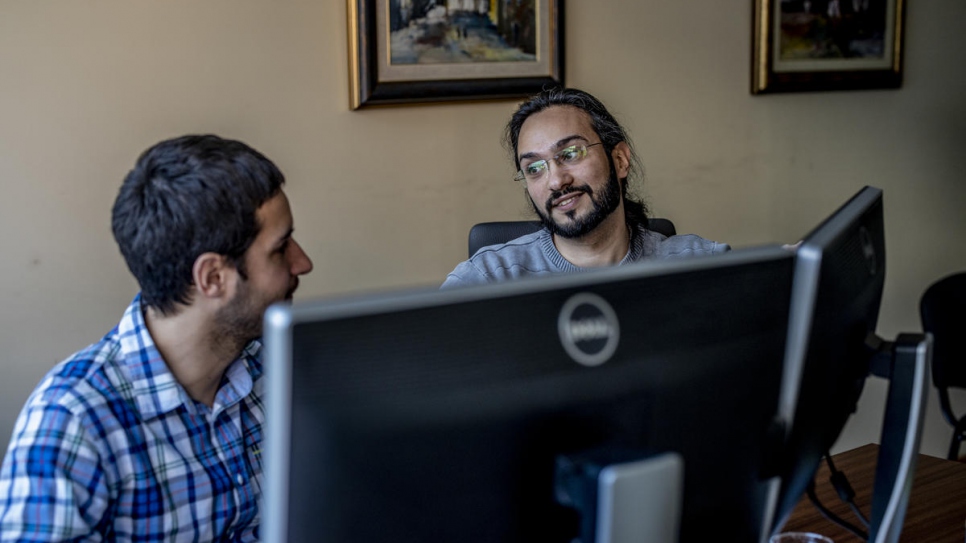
<point x="827" y="45"/>
<point x="457" y="31"/>
<point x="440" y="50"/>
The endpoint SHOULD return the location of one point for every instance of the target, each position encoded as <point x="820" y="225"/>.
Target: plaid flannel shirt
<point x="110" y="447"/>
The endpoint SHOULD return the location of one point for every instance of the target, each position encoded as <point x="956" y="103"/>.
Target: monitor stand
<point x="905" y="363"/>
<point x="626" y="501"/>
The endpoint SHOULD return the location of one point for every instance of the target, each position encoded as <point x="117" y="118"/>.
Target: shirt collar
<point x="635" y="249"/>
<point x="156" y="391"/>
<point x="239" y="378"/>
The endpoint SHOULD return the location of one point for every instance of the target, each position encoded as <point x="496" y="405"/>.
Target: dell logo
<point x="588" y="328"/>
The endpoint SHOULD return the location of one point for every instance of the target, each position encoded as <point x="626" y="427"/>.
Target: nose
<point x="300" y="263"/>
<point x="558" y="177"/>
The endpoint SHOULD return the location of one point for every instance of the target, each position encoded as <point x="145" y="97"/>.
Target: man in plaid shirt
<point x="154" y="432"/>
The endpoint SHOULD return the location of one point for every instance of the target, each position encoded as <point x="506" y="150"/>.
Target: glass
<point x="799" y="537"/>
<point x="565" y="158"/>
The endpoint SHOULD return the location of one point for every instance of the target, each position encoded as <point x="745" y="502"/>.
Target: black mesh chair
<point x="943" y="311"/>
<point x="491" y="233"/>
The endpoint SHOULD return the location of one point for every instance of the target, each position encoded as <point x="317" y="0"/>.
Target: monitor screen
<point x="442" y="416"/>
<point x="839" y="277"/>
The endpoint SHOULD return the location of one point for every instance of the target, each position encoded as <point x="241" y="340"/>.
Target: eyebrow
<point x="561" y="143"/>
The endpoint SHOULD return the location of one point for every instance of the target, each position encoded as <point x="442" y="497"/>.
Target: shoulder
<point x="659" y="246"/>
<point x="73" y="404"/>
<point x="80" y="371"/>
<point x="519" y="257"/>
<point x="62" y="455"/>
<point x="82" y="387"/>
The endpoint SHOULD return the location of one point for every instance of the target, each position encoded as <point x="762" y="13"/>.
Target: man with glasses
<point x="575" y="161"/>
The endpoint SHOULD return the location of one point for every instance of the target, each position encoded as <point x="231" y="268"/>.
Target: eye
<point x="535" y="169"/>
<point x="283" y="247"/>
<point x="570" y="154"/>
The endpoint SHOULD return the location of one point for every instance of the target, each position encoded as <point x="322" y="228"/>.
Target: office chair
<point x="491" y="233"/>
<point x="943" y="312"/>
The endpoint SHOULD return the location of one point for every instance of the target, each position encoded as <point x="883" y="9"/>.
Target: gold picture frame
<point x="821" y="45"/>
<point x="413" y="51"/>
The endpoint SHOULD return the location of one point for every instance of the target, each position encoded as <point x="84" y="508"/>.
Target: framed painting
<point x="410" y="51"/>
<point x="816" y="45"/>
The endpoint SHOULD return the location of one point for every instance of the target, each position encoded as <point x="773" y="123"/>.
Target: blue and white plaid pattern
<point x="110" y="447"/>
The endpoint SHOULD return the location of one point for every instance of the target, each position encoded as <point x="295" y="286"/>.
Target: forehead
<point x="542" y="131"/>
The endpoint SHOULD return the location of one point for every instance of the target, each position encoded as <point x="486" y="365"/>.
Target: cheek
<point x="597" y="173"/>
<point x="536" y="194"/>
<point x="281" y="273"/>
<point x="275" y="274"/>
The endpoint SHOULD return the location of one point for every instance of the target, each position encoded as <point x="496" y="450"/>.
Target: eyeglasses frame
<point x="520" y="176"/>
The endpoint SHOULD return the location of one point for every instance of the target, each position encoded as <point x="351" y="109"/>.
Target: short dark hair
<point x="188" y="196"/>
<point x="604" y="124"/>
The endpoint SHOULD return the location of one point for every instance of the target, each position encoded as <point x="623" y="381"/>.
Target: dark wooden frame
<point x="764" y="78"/>
<point x="366" y="89"/>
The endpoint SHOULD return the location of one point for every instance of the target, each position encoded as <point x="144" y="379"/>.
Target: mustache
<point x="569" y="190"/>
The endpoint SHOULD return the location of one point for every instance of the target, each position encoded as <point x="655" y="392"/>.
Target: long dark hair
<point x="604" y="124"/>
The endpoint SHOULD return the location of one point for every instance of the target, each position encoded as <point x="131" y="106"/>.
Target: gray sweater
<point x="535" y="254"/>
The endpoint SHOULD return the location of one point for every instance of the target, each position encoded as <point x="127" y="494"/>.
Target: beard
<point x="240" y="322"/>
<point x="605" y="203"/>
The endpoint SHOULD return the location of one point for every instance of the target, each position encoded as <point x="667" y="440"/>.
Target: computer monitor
<point x="832" y="349"/>
<point x="462" y="415"/>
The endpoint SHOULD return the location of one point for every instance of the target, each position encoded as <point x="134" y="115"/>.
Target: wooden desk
<point x="937" y="505"/>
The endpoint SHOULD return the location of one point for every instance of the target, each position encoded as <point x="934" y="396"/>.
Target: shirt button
<point x="239" y="479"/>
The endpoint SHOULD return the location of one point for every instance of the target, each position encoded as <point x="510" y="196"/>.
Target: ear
<point x="213" y="274"/>
<point x="621" y="154"/>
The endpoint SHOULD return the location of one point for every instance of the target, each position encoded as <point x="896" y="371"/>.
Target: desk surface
<point x="937" y="505"/>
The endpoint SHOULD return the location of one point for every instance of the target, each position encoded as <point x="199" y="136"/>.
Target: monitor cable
<point x="844" y="490"/>
<point x="842" y="487"/>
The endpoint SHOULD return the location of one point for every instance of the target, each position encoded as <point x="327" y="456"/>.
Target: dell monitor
<point x="832" y="349"/>
<point x="487" y="413"/>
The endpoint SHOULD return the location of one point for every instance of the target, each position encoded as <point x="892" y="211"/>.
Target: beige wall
<point x="383" y="198"/>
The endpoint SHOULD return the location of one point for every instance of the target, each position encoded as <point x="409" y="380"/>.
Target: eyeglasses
<point x="565" y="158"/>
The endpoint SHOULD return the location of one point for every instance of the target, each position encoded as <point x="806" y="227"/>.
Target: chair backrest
<point x="492" y="233"/>
<point x="943" y="312"/>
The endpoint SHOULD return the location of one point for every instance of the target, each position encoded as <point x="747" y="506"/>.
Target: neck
<point x="193" y="354"/>
<point x="605" y="245"/>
